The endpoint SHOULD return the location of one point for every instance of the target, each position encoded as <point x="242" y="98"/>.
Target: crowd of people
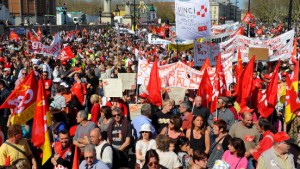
<point x="172" y="136"/>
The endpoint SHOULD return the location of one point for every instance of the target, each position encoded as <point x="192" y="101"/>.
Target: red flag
<point x="66" y="54"/>
<point x="244" y="86"/>
<point x="154" y="85"/>
<point x="291" y="96"/>
<point x="76" y="158"/>
<point x="263" y="107"/>
<point x="14" y="36"/>
<point x="205" y="89"/>
<point x="22" y="100"/>
<point x="259" y="31"/>
<point x="206" y="64"/>
<point x="272" y="87"/>
<point x="41" y="121"/>
<point x="7" y="161"/>
<point x="239" y="66"/>
<point x="247" y="18"/>
<point x="161" y="32"/>
<point x="279" y="28"/>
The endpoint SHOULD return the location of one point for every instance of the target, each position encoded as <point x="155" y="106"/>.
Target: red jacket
<point x="264" y="144"/>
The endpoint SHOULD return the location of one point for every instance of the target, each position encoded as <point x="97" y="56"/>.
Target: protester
<point x="162" y="118"/>
<point x="184" y="152"/>
<point x="199" y="109"/>
<point x="105" y="119"/>
<point x="95" y="111"/>
<point x="187" y="117"/>
<point x="151" y="160"/>
<point x="199" y="159"/>
<point x="173" y="130"/>
<point x="90" y="159"/>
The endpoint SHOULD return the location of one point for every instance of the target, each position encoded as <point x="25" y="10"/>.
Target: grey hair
<point x="186" y="104"/>
<point x="117" y="109"/>
<point x="90" y="148"/>
<point x="146" y="110"/>
<point x="83" y="114"/>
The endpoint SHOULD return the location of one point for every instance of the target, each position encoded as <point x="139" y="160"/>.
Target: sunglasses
<point x="89" y="157"/>
<point x="117" y="115"/>
<point x="145" y="132"/>
<point x="153" y="163"/>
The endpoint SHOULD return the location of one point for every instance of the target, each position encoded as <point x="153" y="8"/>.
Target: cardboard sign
<point x="113" y="88"/>
<point x="135" y="110"/>
<point x="260" y="53"/>
<point x="176" y="93"/>
<point x="128" y="80"/>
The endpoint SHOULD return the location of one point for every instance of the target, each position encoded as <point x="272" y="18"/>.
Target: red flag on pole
<point x="247" y="18"/>
<point x="239" y="66"/>
<point x="76" y="162"/>
<point x="154" y="85"/>
<point x="205" y="89"/>
<point x="22" y="100"/>
<point x="272" y="87"/>
<point x="206" y="64"/>
<point x="14" y="36"/>
<point x="66" y="54"/>
<point x="244" y="86"/>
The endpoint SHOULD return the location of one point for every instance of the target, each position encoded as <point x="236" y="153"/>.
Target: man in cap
<point x="222" y="112"/>
<point x="143" y="98"/>
<point x="278" y="156"/>
<point x="56" y="83"/>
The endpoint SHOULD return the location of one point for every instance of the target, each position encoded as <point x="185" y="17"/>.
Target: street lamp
<point x="290" y="15"/>
<point x="64" y="9"/>
<point x="100" y="15"/>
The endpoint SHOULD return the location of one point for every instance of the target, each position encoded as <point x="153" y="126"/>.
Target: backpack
<point x="117" y="158"/>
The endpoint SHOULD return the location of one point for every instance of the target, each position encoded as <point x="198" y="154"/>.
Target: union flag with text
<point x="22" y="100"/>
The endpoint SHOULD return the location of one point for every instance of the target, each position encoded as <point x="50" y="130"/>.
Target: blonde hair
<point x="166" y="102"/>
<point x="95" y="98"/>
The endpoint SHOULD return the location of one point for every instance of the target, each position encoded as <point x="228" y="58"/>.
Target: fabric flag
<point x="30" y="36"/>
<point x="263" y="107"/>
<point x="161" y="32"/>
<point x="239" y="66"/>
<point x="66" y="54"/>
<point x="292" y="101"/>
<point x="244" y="86"/>
<point x="206" y="64"/>
<point x="76" y="162"/>
<point x="14" y="36"/>
<point x="154" y="85"/>
<point x="7" y="161"/>
<point x="247" y="18"/>
<point x="272" y="87"/>
<point x="289" y="114"/>
<point x="192" y="19"/>
<point x="219" y="87"/>
<point x="259" y="31"/>
<point x="205" y="89"/>
<point x="22" y="100"/>
<point x="41" y="121"/>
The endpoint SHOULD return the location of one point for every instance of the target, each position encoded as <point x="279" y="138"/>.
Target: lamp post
<point x="290" y="15"/>
<point x="64" y="9"/>
<point x="248" y="26"/>
<point x="235" y="10"/>
<point x="100" y="15"/>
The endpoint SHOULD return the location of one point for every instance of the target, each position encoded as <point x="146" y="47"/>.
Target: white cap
<point x="145" y="127"/>
<point x="57" y="80"/>
<point x="64" y="84"/>
<point x="7" y="69"/>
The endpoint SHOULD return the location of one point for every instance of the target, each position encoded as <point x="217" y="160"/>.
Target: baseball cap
<point x="246" y="109"/>
<point x="225" y="99"/>
<point x="283" y="136"/>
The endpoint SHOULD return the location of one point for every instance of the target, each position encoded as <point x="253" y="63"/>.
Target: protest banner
<point x="176" y="93"/>
<point x="259" y="53"/>
<point x="135" y="110"/>
<point x="112" y="87"/>
<point x="128" y="80"/>
<point x="39" y="48"/>
<point x="192" y="19"/>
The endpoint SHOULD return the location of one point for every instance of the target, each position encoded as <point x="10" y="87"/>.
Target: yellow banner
<point x="180" y="47"/>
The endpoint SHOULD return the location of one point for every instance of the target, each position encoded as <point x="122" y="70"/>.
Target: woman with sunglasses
<point x="199" y="135"/>
<point x="144" y="144"/>
<point x="151" y="160"/>
<point x="173" y="129"/>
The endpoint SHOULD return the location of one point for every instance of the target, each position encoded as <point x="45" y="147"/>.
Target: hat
<point x="143" y="95"/>
<point x="40" y="66"/>
<point x="57" y="80"/>
<point x="267" y="76"/>
<point x="283" y="74"/>
<point x="64" y="84"/>
<point x="145" y="127"/>
<point x="246" y="109"/>
<point x="283" y="136"/>
<point x="225" y="99"/>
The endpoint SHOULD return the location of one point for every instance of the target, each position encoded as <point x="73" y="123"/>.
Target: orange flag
<point x="244" y="86"/>
<point x="239" y="66"/>
<point x="22" y="100"/>
<point x="205" y="89"/>
<point x="76" y="162"/>
<point x="14" y="36"/>
<point x="247" y="18"/>
<point x="206" y="64"/>
<point x="41" y="121"/>
<point x="154" y="85"/>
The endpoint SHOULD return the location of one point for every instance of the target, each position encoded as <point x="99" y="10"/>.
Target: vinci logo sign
<point x="192" y="19"/>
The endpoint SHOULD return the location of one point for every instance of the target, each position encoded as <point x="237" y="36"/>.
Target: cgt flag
<point x="41" y="121"/>
<point x="192" y="19"/>
<point x="22" y="100"/>
<point x="65" y="54"/>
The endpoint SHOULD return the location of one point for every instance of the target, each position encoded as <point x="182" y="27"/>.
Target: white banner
<point x="192" y="19"/>
<point x="181" y="75"/>
<point x="39" y="48"/>
<point x="279" y="47"/>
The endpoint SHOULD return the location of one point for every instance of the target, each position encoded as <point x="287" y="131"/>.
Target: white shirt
<point x="107" y="155"/>
<point x="144" y="147"/>
<point x="168" y="159"/>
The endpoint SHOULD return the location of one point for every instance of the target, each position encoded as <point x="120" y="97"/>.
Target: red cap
<point x="283" y="136"/>
<point x="267" y="76"/>
<point x="143" y="95"/>
<point x="246" y="109"/>
<point x="283" y="74"/>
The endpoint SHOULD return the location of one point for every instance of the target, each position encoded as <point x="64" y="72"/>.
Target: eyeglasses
<point x="117" y="115"/>
<point x="89" y="157"/>
<point x="153" y="163"/>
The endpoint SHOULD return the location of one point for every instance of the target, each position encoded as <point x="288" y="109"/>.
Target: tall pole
<point x="248" y="26"/>
<point x="235" y="9"/>
<point x="134" y="20"/>
<point x="290" y="15"/>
